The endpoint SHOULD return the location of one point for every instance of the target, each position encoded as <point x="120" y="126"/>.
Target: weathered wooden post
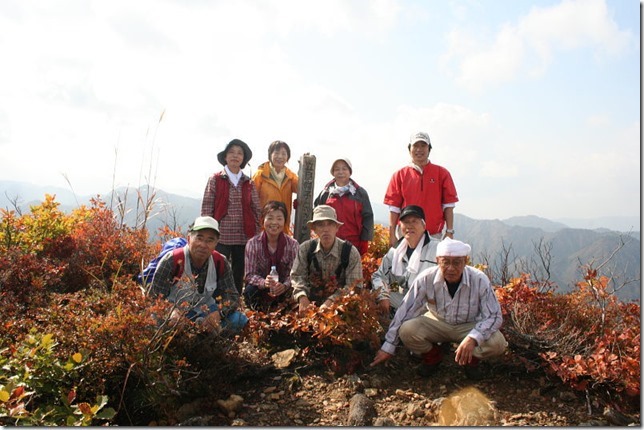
<point x="304" y="211"/>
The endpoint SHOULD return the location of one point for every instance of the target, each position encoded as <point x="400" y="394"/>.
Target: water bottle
<point x="275" y="277"/>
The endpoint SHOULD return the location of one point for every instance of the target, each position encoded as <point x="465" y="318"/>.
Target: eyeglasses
<point x="455" y="262"/>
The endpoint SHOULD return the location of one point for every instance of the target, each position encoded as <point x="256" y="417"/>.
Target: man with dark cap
<point x="451" y="302"/>
<point x="231" y="198"/>
<point x="414" y="252"/>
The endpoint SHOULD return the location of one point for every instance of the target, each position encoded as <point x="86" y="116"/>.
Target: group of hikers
<point x="240" y="252"/>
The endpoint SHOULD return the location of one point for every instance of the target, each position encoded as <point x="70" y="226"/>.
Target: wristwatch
<point x="450" y="231"/>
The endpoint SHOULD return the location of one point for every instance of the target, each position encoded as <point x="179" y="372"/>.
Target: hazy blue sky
<point x="533" y="106"/>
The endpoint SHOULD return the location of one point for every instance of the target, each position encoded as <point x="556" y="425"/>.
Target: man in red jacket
<point x="424" y="184"/>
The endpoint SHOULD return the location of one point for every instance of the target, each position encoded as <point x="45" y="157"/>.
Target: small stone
<point x="232" y="404"/>
<point x="413" y="410"/>
<point x="283" y="359"/>
<point x="384" y="422"/>
<point x="371" y="392"/>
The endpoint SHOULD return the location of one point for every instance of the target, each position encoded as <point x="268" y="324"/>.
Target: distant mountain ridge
<point x="488" y="238"/>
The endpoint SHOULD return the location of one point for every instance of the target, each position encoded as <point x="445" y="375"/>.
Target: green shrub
<point x="38" y="389"/>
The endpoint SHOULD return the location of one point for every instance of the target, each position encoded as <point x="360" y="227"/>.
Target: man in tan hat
<point x="325" y="266"/>
<point x="451" y="302"/>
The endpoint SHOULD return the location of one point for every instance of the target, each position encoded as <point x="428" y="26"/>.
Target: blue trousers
<point x="234" y="321"/>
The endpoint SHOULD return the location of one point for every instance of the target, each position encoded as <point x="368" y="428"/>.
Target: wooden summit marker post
<point x="304" y="211"/>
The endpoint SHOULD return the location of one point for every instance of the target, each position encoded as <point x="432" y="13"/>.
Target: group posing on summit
<point x="240" y="253"/>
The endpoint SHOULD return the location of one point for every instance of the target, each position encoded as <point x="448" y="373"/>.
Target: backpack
<point x="344" y="258"/>
<point x="176" y="245"/>
<point x="178" y="257"/>
<point x="146" y="276"/>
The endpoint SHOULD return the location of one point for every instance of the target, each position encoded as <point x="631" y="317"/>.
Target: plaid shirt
<point x="164" y="278"/>
<point x="231" y="226"/>
<point x="474" y="302"/>
<point x="257" y="262"/>
<point x="300" y="274"/>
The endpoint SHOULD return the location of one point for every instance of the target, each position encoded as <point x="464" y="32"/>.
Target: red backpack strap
<point x="179" y="261"/>
<point x="220" y="263"/>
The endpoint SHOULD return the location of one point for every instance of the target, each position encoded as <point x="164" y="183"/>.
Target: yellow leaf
<point x="4" y="396"/>
<point x="46" y="340"/>
<point x="68" y="366"/>
<point x="78" y="357"/>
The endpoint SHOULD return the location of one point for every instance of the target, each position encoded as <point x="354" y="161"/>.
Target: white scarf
<point x="340" y="191"/>
<point x="234" y="177"/>
<point x="398" y="265"/>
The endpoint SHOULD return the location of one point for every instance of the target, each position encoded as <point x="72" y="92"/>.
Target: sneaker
<point x="427" y="370"/>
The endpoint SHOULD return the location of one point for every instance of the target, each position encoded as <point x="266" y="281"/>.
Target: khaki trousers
<point x="419" y="335"/>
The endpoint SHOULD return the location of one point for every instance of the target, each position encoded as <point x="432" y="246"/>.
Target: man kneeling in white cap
<point x="451" y="302"/>
<point x="196" y="276"/>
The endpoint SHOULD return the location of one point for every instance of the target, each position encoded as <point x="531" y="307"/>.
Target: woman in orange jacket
<point x="274" y="181"/>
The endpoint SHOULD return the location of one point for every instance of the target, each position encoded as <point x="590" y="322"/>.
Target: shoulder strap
<point x="178" y="257"/>
<point x="220" y="263"/>
<point x="310" y="257"/>
<point x="344" y="259"/>
<point x="179" y="261"/>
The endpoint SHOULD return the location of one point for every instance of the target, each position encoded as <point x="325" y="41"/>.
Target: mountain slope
<point x="490" y="239"/>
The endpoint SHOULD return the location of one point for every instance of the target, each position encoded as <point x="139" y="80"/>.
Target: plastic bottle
<point x="275" y="277"/>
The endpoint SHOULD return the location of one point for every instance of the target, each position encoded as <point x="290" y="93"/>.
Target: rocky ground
<point x="306" y="392"/>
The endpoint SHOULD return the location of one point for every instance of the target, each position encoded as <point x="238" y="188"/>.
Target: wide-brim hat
<point x="248" y="154"/>
<point x="324" y="213"/>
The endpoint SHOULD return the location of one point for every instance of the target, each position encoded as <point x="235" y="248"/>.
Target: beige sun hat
<point x="324" y="213"/>
<point x="346" y="160"/>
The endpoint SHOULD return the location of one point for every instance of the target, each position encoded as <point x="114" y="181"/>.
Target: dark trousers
<point x="235" y="255"/>
<point x="257" y="299"/>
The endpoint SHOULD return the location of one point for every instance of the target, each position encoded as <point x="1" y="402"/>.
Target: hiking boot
<point x="427" y="370"/>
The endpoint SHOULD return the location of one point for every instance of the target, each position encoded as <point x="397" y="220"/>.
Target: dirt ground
<point x="308" y="393"/>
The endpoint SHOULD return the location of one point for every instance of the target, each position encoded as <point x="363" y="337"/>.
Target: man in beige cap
<point x="425" y="184"/>
<point x="195" y="276"/>
<point x="451" y="302"/>
<point x="325" y="266"/>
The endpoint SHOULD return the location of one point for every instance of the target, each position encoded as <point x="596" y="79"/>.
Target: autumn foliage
<point x="587" y="337"/>
<point x="67" y="289"/>
<point x="69" y="277"/>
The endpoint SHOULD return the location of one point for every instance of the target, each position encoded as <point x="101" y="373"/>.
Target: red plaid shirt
<point x="231" y="226"/>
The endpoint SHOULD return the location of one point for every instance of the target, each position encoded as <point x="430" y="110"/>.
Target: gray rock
<point x="361" y="411"/>
<point x="384" y="422"/>
<point x="204" y="421"/>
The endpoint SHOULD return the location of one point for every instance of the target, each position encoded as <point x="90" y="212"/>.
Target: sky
<point x="533" y="106"/>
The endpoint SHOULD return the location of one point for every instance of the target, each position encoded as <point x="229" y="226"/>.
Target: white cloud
<point x="87" y="78"/>
<point x="598" y="120"/>
<point x="544" y="31"/>
<point x="497" y="169"/>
